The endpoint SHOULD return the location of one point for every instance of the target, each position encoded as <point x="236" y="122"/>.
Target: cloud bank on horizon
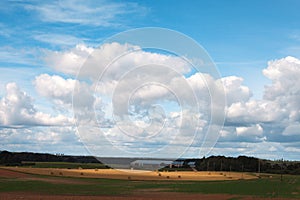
<point x="39" y="74"/>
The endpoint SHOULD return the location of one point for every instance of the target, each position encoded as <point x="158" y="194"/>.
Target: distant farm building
<point x="150" y="164"/>
<point x="192" y="164"/>
<point x="178" y="163"/>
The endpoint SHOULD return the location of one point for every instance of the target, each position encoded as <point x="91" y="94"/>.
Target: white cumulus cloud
<point x="281" y="98"/>
<point x="252" y="130"/>
<point x="235" y="91"/>
<point x="17" y="109"/>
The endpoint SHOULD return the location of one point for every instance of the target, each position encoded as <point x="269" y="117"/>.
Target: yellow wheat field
<point x="137" y="174"/>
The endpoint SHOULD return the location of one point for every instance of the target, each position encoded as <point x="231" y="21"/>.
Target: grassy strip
<point x="265" y="187"/>
<point x="101" y="187"/>
<point x="289" y="187"/>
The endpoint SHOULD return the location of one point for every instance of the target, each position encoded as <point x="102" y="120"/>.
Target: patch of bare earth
<point x="8" y="173"/>
<point x="12" y="174"/>
<point x="137" y="196"/>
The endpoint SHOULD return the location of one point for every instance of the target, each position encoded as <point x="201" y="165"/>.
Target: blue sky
<point x="242" y="37"/>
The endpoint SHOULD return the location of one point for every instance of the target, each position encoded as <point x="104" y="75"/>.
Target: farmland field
<point x="137" y="174"/>
<point x="34" y="183"/>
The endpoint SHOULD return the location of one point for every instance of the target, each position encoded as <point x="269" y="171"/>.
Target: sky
<point x="255" y="46"/>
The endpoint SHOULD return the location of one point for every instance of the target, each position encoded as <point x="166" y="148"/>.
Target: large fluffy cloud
<point x="61" y="90"/>
<point x="55" y="87"/>
<point x="68" y="62"/>
<point x="123" y="70"/>
<point x="278" y="111"/>
<point x="285" y="87"/>
<point x="17" y="109"/>
<point x="281" y="98"/>
<point x="254" y="111"/>
<point x="235" y="91"/>
<point x="109" y="61"/>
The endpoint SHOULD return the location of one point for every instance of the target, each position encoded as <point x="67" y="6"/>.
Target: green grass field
<point x="289" y="187"/>
<point x="264" y="187"/>
<point x="94" y="187"/>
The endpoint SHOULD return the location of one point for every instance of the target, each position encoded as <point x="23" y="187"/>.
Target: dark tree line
<point x="16" y="158"/>
<point x="243" y="164"/>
